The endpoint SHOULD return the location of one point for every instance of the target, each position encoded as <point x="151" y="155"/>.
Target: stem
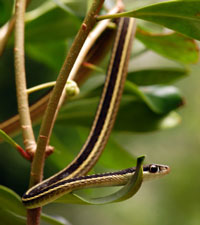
<point x="91" y="39"/>
<point x="9" y="140"/>
<point x="71" y="88"/>
<point x="20" y="77"/>
<point x="93" y="67"/>
<point x="6" y="31"/>
<point x="33" y="216"/>
<point x="40" y="87"/>
<point x="49" y="117"/>
<point x="112" y="16"/>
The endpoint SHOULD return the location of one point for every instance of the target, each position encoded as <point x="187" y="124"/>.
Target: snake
<point x="74" y="176"/>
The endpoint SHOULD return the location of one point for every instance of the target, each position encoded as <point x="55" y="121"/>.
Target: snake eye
<point x="153" y="169"/>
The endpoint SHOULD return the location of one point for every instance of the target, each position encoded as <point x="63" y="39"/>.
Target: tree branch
<point x="6" y="31"/>
<point x="20" y="77"/>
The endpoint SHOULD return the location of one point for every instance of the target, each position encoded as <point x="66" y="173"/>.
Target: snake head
<point x="152" y="171"/>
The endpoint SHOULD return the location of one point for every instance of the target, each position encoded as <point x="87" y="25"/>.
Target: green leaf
<point x="61" y="4"/>
<point x="8" y="139"/>
<point x="156" y="76"/>
<point x="124" y="193"/>
<point x="10" y="218"/>
<point x="45" y="52"/>
<point x="181" y="16"/>
<point x="72" y="198"/>
<point x="53" y="25"/>
<point x="133" y="116"/>
<point x="79" y="7"/>
<point x="11" y="201"/>
<point x="66" y="148"/>
<point x="173" y="46"/>
<point x="53" y="221"/>
<point x="160" y="99"/>
<point x="113" y="153"/>
<point x="12" y="211"/>
<point x="128" y="190"/>
<point x="76" y="112"/>
<point x="136" y="107"/>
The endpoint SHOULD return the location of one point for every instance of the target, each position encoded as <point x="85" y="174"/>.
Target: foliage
<point x="150" y="99"/>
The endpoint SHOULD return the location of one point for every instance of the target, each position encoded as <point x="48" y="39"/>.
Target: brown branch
<point x="20" y="77"/>
<point x="6" y="31"/>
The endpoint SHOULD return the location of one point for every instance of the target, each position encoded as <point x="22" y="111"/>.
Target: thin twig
<point x="10" y="141"/>
<point x="92" y="37"/>
<point x="6" y="31"/>
<point x="49" y="117"/>
<point x="20" y="77"/>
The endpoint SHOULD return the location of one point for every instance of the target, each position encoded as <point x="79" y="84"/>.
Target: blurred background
<point x="174" y="199"/>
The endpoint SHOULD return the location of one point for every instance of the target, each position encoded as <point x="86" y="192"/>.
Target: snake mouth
<point x="164" y="169"/>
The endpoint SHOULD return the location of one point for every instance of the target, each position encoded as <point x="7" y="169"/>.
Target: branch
<point x="6" y="31"/>
<point x="92" y="37"/>
<point x="20" y="77"/>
